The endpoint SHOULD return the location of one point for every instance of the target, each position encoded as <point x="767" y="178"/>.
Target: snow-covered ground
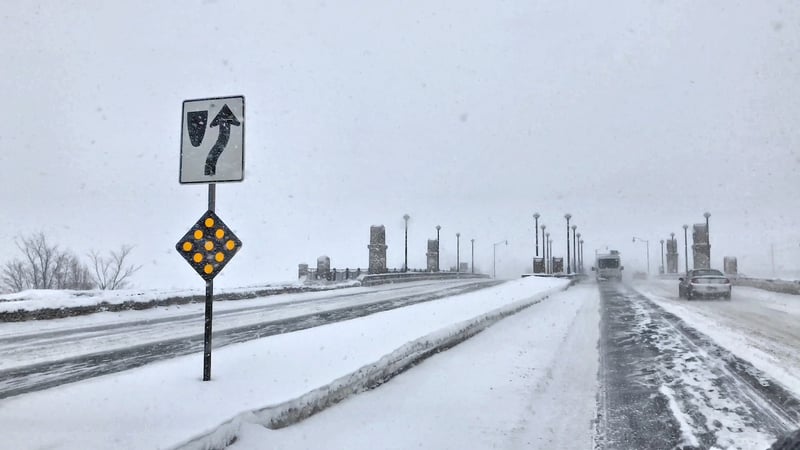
<point x="528" y="382"/>
<point x="32" y="342"/>
<point x="36" y="299"/>
<point x="755" y="325"/>
<point x="164" y="404"/>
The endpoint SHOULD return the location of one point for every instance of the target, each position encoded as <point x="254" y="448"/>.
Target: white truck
<point x="608" y="266"/>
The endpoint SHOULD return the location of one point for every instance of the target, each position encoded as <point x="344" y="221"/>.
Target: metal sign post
<point x="212" y="200"/>
<point x="210" y="244"/>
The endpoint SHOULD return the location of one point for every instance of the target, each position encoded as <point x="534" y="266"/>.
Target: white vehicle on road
<point x="608" y="266"/>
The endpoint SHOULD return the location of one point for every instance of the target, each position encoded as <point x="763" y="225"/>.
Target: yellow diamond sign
<point x="208" y="245"/>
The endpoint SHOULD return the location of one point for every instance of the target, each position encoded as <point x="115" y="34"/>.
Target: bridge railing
<point x="398" y="277"/>
<point x="392" y="275"/>
<point x="782" y="286"/>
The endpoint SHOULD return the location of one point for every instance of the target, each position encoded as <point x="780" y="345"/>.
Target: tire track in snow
<point x="715" y="399"/>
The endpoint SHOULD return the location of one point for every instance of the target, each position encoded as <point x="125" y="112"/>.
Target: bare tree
<point x="14" y="275"/>
<point x="44" y="266"/>
<point x="70" y="273"/>
<point x="112" y="271"/>
<point x="40" y="258"/>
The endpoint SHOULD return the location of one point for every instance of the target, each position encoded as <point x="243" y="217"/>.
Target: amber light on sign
<point x="208" y="245"/>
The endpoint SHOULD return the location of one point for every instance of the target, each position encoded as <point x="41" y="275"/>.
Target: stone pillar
<point x="672" y="255"/>
<point x="433" y="255"/>
<point x="730" y="265"/>
<point x="538" y="265"/>
<point x="558" y="265"/>
<point x="700" y="247"/>
<point x="323" y="267"/>
<point x="377" y="249"/>
<point x="302" y="271"/>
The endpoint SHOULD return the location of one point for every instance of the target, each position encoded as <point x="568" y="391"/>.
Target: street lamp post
<point x="472" y="264"/>
<point x="536" y="230"/>
<point x="544" y="247"/>
<point x="578" y="259"/>
<point x="568" y="216"/>
<point x="405" y="264"/>
<point x="708" y="237"/>
<point x="494" y="257"/>
<point x="574" y="250"/>
<point x="672" y="239"/>
<point x="438" y="248"/>
<point x="547" y="252"/>
<point x="661" y="270"/>
<point x="458" y="252"/>
<point x="581" y="253"/>
<point x="647" y="243"/>
<point x="550" y="252"/>
<point x="686" y="249"/>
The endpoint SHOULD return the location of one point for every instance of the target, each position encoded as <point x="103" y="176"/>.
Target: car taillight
<point x="727" y="281"/>
<point x="695" y="280"/>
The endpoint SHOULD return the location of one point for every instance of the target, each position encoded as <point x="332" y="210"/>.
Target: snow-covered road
<point x="667" y="384"/>
<point x="607" y="365"/>
<point x="759" y="326"/>
<point x="527" y="382"/>
<point x="164" y="405"/>
<point x="36" y="355"/>
<point x="596" y="366"/>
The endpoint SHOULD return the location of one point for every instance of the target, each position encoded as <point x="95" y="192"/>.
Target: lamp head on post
<point x="536" y="216"/>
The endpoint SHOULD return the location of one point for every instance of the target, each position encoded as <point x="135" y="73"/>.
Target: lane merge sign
<point x="212" y="140"/>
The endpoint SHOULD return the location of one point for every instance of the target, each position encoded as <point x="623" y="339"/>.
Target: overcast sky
<point x="633" y="116"/>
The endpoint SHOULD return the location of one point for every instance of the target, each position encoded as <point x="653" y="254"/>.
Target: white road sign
<point x="212" y="140"/>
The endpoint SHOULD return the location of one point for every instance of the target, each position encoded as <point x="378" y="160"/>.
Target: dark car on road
<point x="704" y="283"/>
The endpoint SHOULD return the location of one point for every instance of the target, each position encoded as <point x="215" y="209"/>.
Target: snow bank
<point x="271" y="381"/>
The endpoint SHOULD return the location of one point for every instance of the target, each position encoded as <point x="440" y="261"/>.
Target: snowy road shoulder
<point x="165" y="405"/>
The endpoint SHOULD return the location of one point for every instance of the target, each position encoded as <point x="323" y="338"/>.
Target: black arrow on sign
<point x="224" y="119"/>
